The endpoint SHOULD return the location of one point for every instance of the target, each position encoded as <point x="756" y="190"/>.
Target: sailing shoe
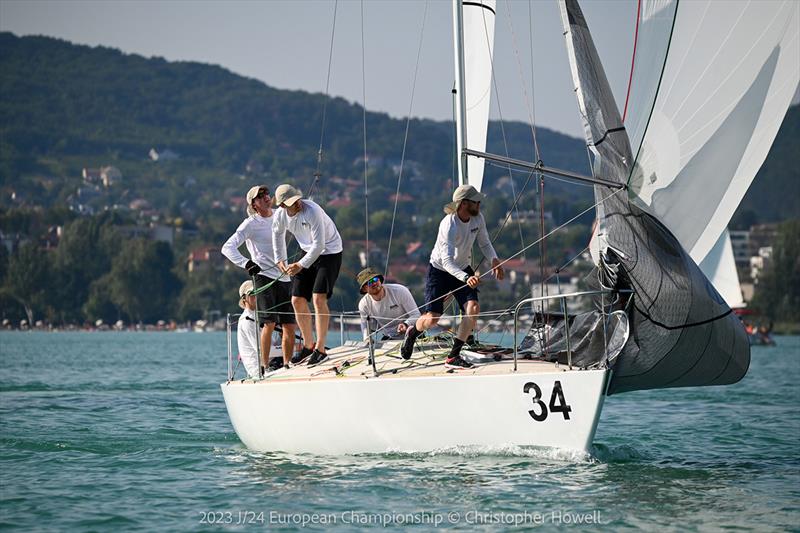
<point x="275" y="363"/>
<point x="302" y="355"/>
<point x="457" y="362"/>
<point x="317" y="357"/>
<point x="408" y="344"/>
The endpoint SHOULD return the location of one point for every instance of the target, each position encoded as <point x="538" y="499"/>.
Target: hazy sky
<point x="286" y="45"/>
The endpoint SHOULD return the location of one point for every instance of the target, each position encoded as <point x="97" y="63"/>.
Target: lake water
<point x="128" y="431"/>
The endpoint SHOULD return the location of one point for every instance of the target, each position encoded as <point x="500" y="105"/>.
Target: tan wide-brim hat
<point x="365" y="275"/>
<point x="245" y="289"/>
<point x="463" y="192"/>
<point x="286" y="195"/>
<point x="251" y="195"/>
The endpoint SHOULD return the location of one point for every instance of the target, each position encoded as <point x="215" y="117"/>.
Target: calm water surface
<point x="128" y="431"/>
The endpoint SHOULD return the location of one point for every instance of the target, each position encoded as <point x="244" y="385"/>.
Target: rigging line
<point x="537" y="156"/>
<point x="633" y="58"/>
<point x="318" y="172"/>
<point x="364" y="124"/>
<point x="502" y="130"/>
<point x="405" y="140"/>
<point x="545" y="236"/>
<point x="519" y="71"/>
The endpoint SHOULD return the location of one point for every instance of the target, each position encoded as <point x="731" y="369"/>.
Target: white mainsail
<point x="474" y="83"/>
<point x="701" y="130"/>
<point x="719" y="266"/>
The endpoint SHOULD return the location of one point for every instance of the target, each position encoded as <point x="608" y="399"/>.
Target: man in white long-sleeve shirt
<point x="275" y="302"/>
<point x="247" y="331"/>
<point x="450" y="273"/>
<point x="315" y="274"/>
<point x="390" y="306"/>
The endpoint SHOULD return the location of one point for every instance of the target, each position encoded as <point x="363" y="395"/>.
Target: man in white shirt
<point x="315" y="274"/>
<point x="450" y="273"/>
<point x="247" y="331"/>
<point x="389" y="306"/>
<point x="275" y="302"/>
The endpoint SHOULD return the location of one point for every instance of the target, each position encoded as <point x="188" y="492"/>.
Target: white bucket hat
<point x="463" y="192"/>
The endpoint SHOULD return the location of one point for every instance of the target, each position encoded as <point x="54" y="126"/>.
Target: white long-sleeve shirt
<point x="453" y="249"/>
<point x="312" y="227"/>
<point x="395" y="307"/>
<point x="256" y="232"/>
<point x="246" y="341"/>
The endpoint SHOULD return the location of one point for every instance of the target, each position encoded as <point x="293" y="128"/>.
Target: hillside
<point x="67" y="112"/>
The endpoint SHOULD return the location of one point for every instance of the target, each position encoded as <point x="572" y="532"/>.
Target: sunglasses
<point x="263" y="193"/>
<point x="373" y="281"/>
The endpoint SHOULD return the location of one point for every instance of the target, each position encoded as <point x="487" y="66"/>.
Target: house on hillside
<point x="205" y="259"/>
<point x="163" y="155"/>
<point x="109" y="176"/>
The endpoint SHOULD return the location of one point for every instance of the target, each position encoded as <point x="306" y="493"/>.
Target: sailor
<point x="275" y="302"/>
<point x="450" y="273"/>
<point x="247" y="334"/>
<point x="315" y="274"/>
<point x="389" y="305"/>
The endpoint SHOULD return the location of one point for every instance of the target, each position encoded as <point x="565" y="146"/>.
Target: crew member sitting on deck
<point x="449" y="271"/>
<point x="390" y="307"/>
<point x="247" y="333"/>
<point x="315" y="274"/>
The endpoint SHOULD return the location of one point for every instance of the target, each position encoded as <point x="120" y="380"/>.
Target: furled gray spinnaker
<point x="682" y="333"/>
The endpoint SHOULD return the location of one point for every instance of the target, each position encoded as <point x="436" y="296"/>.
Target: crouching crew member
<point x="389" y="306"/>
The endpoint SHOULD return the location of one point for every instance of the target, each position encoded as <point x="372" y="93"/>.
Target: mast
<point x="461" y="102"/>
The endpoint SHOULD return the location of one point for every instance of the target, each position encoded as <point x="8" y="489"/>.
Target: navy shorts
<point x="438" y="283"/>
<point x="319" y="278"/>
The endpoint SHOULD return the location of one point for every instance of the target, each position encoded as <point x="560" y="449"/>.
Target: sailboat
<point x="665" y="187"/>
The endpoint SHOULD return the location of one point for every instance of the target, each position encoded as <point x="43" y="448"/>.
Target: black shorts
<point x="275" y="303"/>
<point x="319" y="278"/>
<point x="438" y="283"/>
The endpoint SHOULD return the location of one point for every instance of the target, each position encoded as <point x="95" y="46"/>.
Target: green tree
<point x="778" y="291"/>
<point x="27" y="280"/>
<point x="143" y="285"/>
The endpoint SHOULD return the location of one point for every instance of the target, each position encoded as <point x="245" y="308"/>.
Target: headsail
<point x="707" y="98"/>
<point x="682" y="332"/>
<point x="472" y="103"/>
<point x="720" y="267"/>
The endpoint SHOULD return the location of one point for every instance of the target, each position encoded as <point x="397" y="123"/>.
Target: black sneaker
<point x="275" y="363"/>
<point x="408" y="345"/>
<point x="301" y="356"/>
<point x="317" y="357"/>
<point x="457" y="362"/>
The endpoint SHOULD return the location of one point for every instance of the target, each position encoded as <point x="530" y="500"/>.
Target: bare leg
<point x="303" y="315"/>
<point x="266" y="342"/>
<point x="287" y="342"/>
<point x="322" y="316"/>
<point x="469" y="320"/>
<point x="427" y="321"/>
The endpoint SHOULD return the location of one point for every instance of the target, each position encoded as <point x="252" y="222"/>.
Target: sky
<point x="287" y="44"/>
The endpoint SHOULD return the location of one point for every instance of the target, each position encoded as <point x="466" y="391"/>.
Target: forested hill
<point x="60" y="99"/>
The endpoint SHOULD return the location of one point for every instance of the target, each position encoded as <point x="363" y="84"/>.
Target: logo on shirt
<point x="393" y="306"/>
<point x="473" y="230"/>
<point x="305" y="224"/>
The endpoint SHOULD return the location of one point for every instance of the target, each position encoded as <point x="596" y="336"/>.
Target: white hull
<point x="424" y="410"/>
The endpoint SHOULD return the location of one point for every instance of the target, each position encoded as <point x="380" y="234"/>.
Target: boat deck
<point x="351" y="362"/>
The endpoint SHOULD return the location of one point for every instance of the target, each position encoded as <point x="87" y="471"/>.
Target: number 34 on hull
<point x="541" y="404"/>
